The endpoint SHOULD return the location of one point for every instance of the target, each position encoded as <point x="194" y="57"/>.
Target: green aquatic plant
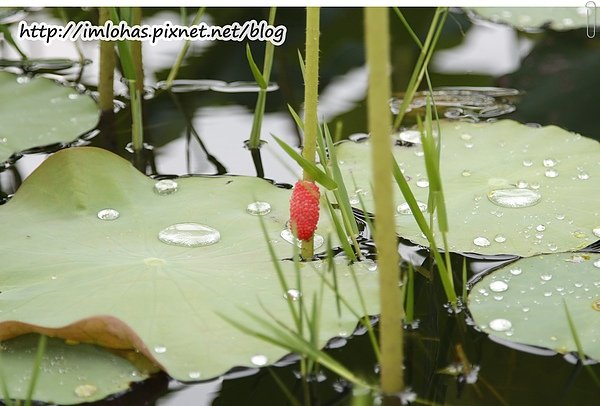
<point x="62" y="113"/>
<point x="156" y="242"/>
<point x="524" y="302"/>
<point x="533" y="197"/>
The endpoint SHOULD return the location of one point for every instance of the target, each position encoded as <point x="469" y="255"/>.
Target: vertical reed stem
<point x="136" y="51"/>
<point x="311" y="91"/>
<point x="378" y="58"/>
<point x="107" y="67"/>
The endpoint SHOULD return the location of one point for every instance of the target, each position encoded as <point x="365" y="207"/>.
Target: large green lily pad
<point x="523" y="302"/>
<point x="528" y="18"/>
<point x="68" y="374"/>
<point x="69" y="274"/>
<point x="478" y="160"/>
<point x="36" y="112"/>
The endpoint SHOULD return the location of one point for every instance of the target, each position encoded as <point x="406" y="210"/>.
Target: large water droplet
<point x="514" y="197"/>
<point x="498" y="286"/>
<point x="189" y="235"/>
<point x="258" y="208"/>
<point x="481" y="241"/>
<point x="287" y="235"/>
<point x="108" y="214"/>
<point x="259" y="360"/>
<point x="165" y="187"/>
<point x="293" y="295"/>
<point x="403" y="208"/>
<point x="500" y="325"/>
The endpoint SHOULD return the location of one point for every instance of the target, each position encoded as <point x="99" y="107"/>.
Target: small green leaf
<point x="255" y="71"/>
<point x="317" y="174"/>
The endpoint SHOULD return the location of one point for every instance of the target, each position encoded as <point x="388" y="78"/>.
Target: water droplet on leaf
<point x="259" y="360"/>
<point x="500" y="325"/>
<point x="403" y="208"/>
<point x="481" y="241"/>
<point x="165" y="187"/>
<point x="514" y="197"/>
<point x="108" y="214"/>
<point x="189" y="235"/>
<point x="258" y="208"/>
<point x="293" y="295"/>
<point x="498" y="286"/>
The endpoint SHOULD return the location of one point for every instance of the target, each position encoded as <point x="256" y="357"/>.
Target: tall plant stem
<point x="107" y="67"/>
<point x="378" y="58"/>
<point x="259" y="110"/>
<point x="136" y="51"/>
<point x="311" y="91"/>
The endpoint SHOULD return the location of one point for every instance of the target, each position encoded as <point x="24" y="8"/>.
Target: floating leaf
<point x="509" y="188"/>
<point x="523" y="302"/>
<point x="36" y="112"/>
<point x="69" y="374"/>
<point x="535" y="18"/>
<point x="82" y="259"/>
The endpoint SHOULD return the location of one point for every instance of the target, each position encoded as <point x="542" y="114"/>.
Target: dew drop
<point x="551" y="173"/>
<point x="287" y="235"/>
<point x="597" y="263"/>
<point x="579" y="234"/>
<point x="549" y="162"/>
<point x="545" y="277"/>
<point x="22" y="79"/>
<point x="258" y="208"/>
<point x="583" y="175"/>
<point x="560" y="216"/>
<point x="516" y="271"/>
<point x="353" y="199"/>
<point x="85" y="390"/>
<point x="108" y="214"/>
<point x="540" y="227"/>
<point x="466" y="136"/>
<point x="596" y="231"/>
<point x="370" y="265"/>
<point x="522" y="184"/>
<point x="73" y="96"/>
<point x="293" y="295"/>
<point x="596" y="304"/>
<point x="500" y="325"/>
<point x="481" y="241"/>
<point x="189" y="235"/>
<point x="498" y="286"/>
<point x="547" y="294"/>
<point x="194" y="374"/>
<point x="466" y="173"/>
<point x="527" y="163"/>
<point x="259" y="360"/>
<point x="514" y="197"/>
<point x="500" y="238"/>
<point x="525" y="309"/>
<point x="403" y="208"/>
<point x="3" y="140"/>
<point x="159" y="349"/>
<point x="165" y="187"/>
<point x="422" y="183"/>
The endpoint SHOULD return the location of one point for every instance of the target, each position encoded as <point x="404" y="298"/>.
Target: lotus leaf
<point x="85" y="372"/>
<point x="67" y="273"/>
<point x="37" y="111"/>
<point x="524" y="302"/>
<point x="534" y="18"/>
<point x="553" y="174"/>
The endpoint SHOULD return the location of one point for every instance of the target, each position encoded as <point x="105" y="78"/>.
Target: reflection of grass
<point x="41" y="349"/>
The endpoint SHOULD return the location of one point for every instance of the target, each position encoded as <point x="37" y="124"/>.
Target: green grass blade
<point x="409" y="313"/>
<point x="302" y="65"/>
<point x="580" y="351"/>
<point x="286" y="392"/>
<point x="258" y="76"/>
<point x="39" y="355"/>
<point x="464" y="281"/>
<point x="340" y="231"/>
<point x="317" y="174"/>
<point x="296" y="117"/>
<point x="9" y="38"/>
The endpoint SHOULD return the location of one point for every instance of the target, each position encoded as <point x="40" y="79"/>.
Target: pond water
<point x="203" y="132"/>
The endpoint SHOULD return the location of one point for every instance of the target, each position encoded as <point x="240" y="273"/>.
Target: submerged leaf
<point x="86" y="373"/>
<point x="36" y="112"/>
<point x="524" y="302"/>
<point x="509" y="188"/>
<point x="113" y="282"/>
